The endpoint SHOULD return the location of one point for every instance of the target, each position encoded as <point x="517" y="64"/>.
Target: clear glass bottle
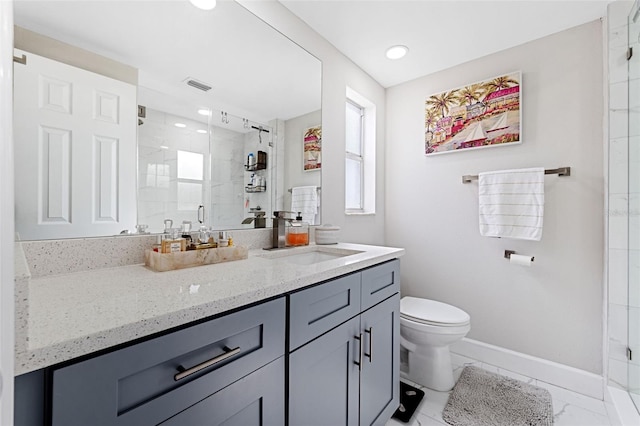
<point x="297" y="233"/>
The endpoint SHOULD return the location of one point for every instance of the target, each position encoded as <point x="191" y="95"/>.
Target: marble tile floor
<point x="569" y="408"/>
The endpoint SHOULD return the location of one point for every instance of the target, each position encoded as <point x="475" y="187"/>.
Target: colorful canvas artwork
<point x="312" y="154"/>
<point x="479" y="115"/>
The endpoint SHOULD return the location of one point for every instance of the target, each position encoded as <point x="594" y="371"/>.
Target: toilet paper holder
<point x="508" y="253"/>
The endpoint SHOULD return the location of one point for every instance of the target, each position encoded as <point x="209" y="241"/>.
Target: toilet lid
<point x="432" y="312"/>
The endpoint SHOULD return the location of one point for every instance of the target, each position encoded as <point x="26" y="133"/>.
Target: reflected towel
<point x="511" y="203"/>
<point x="304" y="199"/>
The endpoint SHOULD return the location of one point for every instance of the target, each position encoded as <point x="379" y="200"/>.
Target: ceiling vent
<point x="197" y="84"/>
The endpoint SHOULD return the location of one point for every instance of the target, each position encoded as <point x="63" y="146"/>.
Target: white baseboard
<point x="560" y="375"/>
<point x="625" y="408"/>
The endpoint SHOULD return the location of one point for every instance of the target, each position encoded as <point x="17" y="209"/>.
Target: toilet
<point x="427" y="328"/>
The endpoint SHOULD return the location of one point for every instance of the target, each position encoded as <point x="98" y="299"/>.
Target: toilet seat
<point x="431" y="312"/>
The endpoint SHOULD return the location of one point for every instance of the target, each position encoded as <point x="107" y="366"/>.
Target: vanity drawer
<point x="142" y="384"/>
<point x="257" y="399"/>
<point x="380" y="282"/>
<point x="316" y="310"/>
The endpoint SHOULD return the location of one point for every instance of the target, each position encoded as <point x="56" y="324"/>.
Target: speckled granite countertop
<point x="61" y="317"/>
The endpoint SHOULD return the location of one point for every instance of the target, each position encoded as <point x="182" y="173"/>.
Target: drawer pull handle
<point x="359" y="361"/>
<point x="227" y="354"/>
<point x="370" y="354"/>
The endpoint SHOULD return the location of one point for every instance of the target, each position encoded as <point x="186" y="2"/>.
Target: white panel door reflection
<point x="75" y="137"/>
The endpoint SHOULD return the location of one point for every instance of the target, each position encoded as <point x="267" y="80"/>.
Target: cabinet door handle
<point x="359" y="361"/>
<point x="370" y="354"/>
<point x="228" y="353"/>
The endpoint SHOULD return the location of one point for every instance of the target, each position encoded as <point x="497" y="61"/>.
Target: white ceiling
<point x="255" y="71"/>
<point x="258" y="73"/>
<point x="439" y="33"/>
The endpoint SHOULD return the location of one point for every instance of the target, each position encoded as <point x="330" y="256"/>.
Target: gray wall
<point x="552" y="310"/>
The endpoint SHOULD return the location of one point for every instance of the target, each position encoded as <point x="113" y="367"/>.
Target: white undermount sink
<point x="308" y="255"/>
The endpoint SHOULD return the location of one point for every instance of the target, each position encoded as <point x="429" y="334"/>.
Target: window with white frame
<point x="190" y="180"/>
<point x="354" y="158"/>
<point x="360" y="154"/>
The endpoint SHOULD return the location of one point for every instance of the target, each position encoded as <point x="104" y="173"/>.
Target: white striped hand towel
<point x="511" y="203"/>
<point x="304" y="199"/>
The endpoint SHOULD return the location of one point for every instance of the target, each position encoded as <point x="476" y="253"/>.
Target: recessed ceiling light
<point x="204" y="111"/>
<point x="204" y="4"/>
<point x="201" y="131"/>
<point x="181" y="125"/>
<point x="397" y="52"/>
<point x="164" y="147"/>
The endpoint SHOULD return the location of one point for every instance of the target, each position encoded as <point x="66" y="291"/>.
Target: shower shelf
<point x="249" y="188"/>
<point x="257" y="166"/>
<point x="261" y="163"/>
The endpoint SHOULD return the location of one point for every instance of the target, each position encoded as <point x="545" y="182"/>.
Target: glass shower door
<point x="634" y="196"/>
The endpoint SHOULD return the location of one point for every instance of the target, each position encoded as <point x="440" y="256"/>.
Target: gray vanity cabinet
<point x="152" y="381"/>
<point x="323" y="379"/>
<point x="325" y="355"/>
<point x="380" y="375"/>
<point x="257" y="399"/>
<point x="350" y="373"/>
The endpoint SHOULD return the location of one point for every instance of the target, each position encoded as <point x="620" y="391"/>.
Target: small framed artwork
<point x="312" y="149"/>
<point x="479" y="115"/>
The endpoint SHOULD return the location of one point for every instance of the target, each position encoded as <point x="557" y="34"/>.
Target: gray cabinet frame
<point x="341" y="366"/>
<point x="350" y="374"/>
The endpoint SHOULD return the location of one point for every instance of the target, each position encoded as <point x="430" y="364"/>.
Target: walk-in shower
<point x="633" y="115"/>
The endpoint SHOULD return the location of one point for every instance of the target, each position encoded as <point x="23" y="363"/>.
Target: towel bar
<point x="291" y="189"/>
<point x="560" y="171"/>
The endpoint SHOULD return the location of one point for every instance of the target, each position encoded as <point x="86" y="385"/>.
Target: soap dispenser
<point x="298" y="232"/>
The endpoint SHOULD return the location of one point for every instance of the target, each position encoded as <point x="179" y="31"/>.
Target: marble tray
<point x="162" y="262"/>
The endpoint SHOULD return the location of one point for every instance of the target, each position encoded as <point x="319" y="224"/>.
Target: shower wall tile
<point x="634" y="163"/>
<point x="634" y="121"/>
<point x="618" y="166"/>
<point x="617" y="350"/>
<point x="634" y="378"/>
<point x="617" y="13"/>
<point x="618" y="64"/>
<point x="634" y="221"/>
<point x="618" y="221"/>
<point x="634" y="276"/>
<point x="618" y="322"/>
<point x="618" y="122"/>
<point x="634" y="334"/>
<point x="618" y="37"/>
<point x="618" y="96"/>
<point x="618" y="261"/>
<point x="618" y="374"/>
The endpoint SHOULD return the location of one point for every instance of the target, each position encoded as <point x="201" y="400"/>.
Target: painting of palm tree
<point x="478" y="115"/>
<point x="430" y="118"/>
<point x="500" y="83"/>
<point x="442" y="101"/>
<point x="470" y="94"/>
<point x="312" y="148"/>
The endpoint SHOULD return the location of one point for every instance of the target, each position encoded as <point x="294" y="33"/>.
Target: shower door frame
<point x="633" y="117"/>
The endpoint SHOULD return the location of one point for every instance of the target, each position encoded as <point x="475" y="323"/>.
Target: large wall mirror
<point x="132" y="113"/>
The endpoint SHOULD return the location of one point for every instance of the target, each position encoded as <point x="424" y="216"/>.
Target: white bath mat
<point x="481" y="398"/>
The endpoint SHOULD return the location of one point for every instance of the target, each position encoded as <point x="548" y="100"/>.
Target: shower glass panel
<point x="192" y="166"/>
<point x="634" y="203"/>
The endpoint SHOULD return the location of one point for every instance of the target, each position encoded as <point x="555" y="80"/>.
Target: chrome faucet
<point x="259" y="219"/>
